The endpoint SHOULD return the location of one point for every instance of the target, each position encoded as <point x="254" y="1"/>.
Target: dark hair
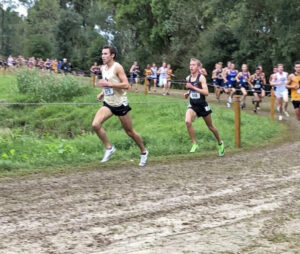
<point x="297" y="62"/>
<point x="112" y="50"/>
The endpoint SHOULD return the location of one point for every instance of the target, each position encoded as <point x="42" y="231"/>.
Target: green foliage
<point x="45" y="87"/>
<point x="39" y="46"/>
<point x="53" y="135"/>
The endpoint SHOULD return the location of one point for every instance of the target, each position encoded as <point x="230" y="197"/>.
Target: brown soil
<point x="247" y="202"/>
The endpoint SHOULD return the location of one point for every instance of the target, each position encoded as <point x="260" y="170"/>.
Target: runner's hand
<point x="189" y="86"/>
<point x="100" y="96"/>
<point x="186" y="95"/>
<point x="102" y="83"/>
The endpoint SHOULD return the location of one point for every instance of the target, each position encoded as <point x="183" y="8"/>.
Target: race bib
<point x="232" y="79"/>
<point x="195" y="95"/>
<point x="244" y="80"/>
<point x="108" y="91"/>
<point x="207" y="108"/>
<point x="298" y="91"/>
<point x="257" y="86"/>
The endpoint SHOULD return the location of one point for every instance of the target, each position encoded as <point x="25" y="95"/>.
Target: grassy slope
<point x="37" y="136"/>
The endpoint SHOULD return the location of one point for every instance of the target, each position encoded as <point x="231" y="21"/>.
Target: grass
<point x="44" y="136"/>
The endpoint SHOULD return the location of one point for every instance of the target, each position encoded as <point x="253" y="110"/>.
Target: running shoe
<point x="286" y="113"/>
<point x="108" y="154"/>
<point x="254" y="110"/>
<point x="229" y="99"/>
<point x="221" y="149"/>
<point x="194" y="148"/>
<point x="258" y="108"/>
<point x="144" y="158"/>
<point x="280" y="117"/>
<point x="278" y="109"/>
<point x="228" y="104"/>
<point x="243" y="106"/>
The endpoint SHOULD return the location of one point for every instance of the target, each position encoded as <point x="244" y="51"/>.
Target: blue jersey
<point x="244" y="79"/>
<point x="231" y="77"/>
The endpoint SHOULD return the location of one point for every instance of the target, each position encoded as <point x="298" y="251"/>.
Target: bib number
<point x="232" y="79"/>
<point x="195" y="95"/>
<point x="257" y="86"/>
<point x="108" y="91"/>
<point x="244" y="80"/>
<point x="298" y="91"/>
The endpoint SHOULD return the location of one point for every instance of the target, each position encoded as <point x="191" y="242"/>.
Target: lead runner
<point x="114" y="84"/>
<point x="196" y="83"/>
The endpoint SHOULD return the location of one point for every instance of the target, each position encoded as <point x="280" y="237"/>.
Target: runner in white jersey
<point x="279" y="80"/>
<point x="162" y="71"/>
<point x="115" y="84"/>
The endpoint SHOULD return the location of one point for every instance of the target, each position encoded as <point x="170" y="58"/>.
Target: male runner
<point x="218" y="81"/>
<point x="169" y="77"/>
<point x="162" y="71"/>
<point x="95" y="70"/>
<point x="282" y="95"/>
<point x="154" y="76"/>
<point x="243" y="79"/>
<point x="134" y="75"/>
<point x="229" y="77"/>
<point x="196" y="83"/>
<point x="114" y="84"/>
<point x="257" y="81"/>
<point x="294" y="84"/>
<point x="148" y="76"/>
<point x="273" y="88"/>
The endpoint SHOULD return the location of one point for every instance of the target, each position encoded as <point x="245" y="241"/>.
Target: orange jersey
<point x="295" y="92"/>
<point x="148" y="72"/>
<point x="170" y="72"/>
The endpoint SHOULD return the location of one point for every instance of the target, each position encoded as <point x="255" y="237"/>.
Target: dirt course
<point x="246" y="202"/>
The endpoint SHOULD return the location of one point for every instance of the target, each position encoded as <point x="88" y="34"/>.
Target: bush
<point x="47" y="87"/>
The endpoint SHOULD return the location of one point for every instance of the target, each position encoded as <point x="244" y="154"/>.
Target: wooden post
<point x="237" y="121"/>
<point x="272" y="104"/>
<point x="146" y="86"/>
<point x="93" y="79"/>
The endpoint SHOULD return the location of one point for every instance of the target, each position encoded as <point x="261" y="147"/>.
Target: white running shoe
<point x="144" y="158"/>
<point x="108" y="154"/>
<point x="286" y="113"/>
<point x="280" y="118"/>
<point x="228" y="104"/>
<point x="258" y="108"/>
<point x="229" y="99"/>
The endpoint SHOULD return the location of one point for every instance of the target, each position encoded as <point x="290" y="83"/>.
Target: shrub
<point x="47" y="87"/>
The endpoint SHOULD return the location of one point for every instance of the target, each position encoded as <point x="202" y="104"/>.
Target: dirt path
<point x="247" y="202"/>
<point x="243" y="203"/>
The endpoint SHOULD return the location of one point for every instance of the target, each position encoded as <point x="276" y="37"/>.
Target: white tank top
<point x="281" y="80"/>
<point x="115" y="97"/>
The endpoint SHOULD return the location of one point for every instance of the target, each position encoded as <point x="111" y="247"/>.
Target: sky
<point x="21" y="9"/>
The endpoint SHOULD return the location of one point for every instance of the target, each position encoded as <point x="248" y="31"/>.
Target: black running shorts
<point x="202" y="110"/>
<point x="296" y="104"/>
<point x="118" y="111"/>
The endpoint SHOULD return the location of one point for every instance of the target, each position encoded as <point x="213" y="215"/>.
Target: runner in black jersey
<point x="257" y="82"/>
<point x="196" y="83"/>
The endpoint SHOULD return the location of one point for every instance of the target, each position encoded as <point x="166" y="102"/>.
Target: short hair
<point x="196" y="60"/>
<point x="297" y="62"/>
<point x="280" y="64"/>
<point x="112" y="50"/>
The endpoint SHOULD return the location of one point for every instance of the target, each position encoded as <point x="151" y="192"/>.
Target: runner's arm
<point x="290" y="80"/>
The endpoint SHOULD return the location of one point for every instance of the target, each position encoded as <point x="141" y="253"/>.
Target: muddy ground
<point x="247" y="202"/>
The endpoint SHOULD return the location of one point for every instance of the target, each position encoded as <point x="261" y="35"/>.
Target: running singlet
<point x="219" y="74"/>
<point x="258" y="84"/>
<point x="96" y="70"/>
<point x="195" y="97"/>
<point x="154" y="72"/>
<point x="295" y="93"/>
<point x="231" y="77"/>
<point x="281" y="80"/>
<point x="163" y="73"/>
<point x="115" y="97"/>
<point x="169" y="74"/>
<point x="148" y="73"/>
<point x="244" y="79"/>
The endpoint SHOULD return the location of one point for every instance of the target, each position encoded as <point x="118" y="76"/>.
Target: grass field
<point x="38" y="136"/>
